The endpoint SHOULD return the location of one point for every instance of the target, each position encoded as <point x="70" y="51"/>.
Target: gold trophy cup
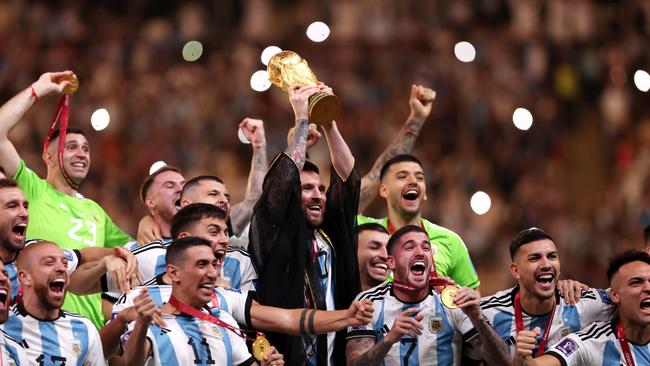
<point x="288" y="68"/>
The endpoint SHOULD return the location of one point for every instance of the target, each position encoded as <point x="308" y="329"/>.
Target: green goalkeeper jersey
<point x="72" y="222"/>
<point x="450" y="253"/>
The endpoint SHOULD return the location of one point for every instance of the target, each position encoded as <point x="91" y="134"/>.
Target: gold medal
<point x="447" y="296"/>
<point x="259" y="346"/>
<point x="74" y="85"/>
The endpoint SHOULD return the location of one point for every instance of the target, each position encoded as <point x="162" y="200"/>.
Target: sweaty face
<point x="49" y="276"/>
<point x="536" y="267"/>
<point x="313" y="198"/>
<point x="216" y="231"/>
<point x="404" y="188"/>
<point x="13" y="219"/>
<point x="76" y="156"/>
<point x="372" y="256"/>
<point x="197" y="275"/>
<point x="5" y="293"/>
<point x="165" y="193"/>
<point x="631" y="292"/>
<point x="209" y="191"/>
<point x="411" y="259"/>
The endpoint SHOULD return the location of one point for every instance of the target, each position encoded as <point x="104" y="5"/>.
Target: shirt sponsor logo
<point x="567" y="346"/>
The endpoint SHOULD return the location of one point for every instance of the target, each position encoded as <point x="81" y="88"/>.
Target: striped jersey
<point x="597" y="344"/>
<point x="238" y="269"/>
<point x="71" y="339"/>
<point x="440" y="342"/>
<point x="231" y="301"/>
<point x="187" y="340"/>
<point x="594" y="305"/>
<point x="12" y="353"/>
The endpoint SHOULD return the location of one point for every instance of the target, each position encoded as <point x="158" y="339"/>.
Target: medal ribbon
<point x="62" y="114"/>
<point x="189" y="310"/>
<point x="625" y="347"/>
<point x="519" y="321"/>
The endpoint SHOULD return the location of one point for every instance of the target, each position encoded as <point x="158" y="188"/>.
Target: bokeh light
<point x="269" y="52"/>
<point x="522" y="119"/>
<point x="260" y="81"/>
<point x="464" y="51"/>
<point x="318" y="31"/>
<point x="642" y="80"/>
<point x="192" y="51"/>
<point x="100" y="119"/>
<point x="157" y="166"/>
<point x="480" y="203"/>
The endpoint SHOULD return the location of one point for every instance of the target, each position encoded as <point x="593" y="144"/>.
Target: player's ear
<point x="24" y="278"/>
<point x="383" y="190"/>
<point x="514" y="270"/>
<point x="613" y="295"/>
<point x="172" y="271"/>
<point x="390" y="262"/>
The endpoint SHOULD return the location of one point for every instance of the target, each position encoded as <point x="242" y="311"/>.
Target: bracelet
<point x="410" y="131"/>
<point x="36" y="98"/>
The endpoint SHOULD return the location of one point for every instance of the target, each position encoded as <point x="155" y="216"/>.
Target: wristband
<point x="36" y="98"/>
<point x="410" y="131"/>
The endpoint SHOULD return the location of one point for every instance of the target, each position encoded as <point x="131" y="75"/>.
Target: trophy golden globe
<point x="287" y="68"/>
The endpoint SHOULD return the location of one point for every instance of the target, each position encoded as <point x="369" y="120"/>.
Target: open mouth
<point x="79" y="164"/>
<point x="418" y="267"/>
<point x="314" y="208"/>
<point x="220" y="255"/>
<point x="4" y="296"/>
<point x="645" y="304"/>
<point x="411" y="194"/>
<point x="177" y="204"/>
<point x="20" y="229"/>
<point x="545" y="278"/>
<point x="57" y="285"/>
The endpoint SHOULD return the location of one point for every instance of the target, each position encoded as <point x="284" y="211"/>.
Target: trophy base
<point x="323" y="108"/>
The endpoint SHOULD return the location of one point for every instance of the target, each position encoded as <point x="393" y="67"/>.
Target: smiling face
<point x="313" y="198"/>
<point x="195" y="275"/>
<point x="76" y="157"/>
<point x="631" y="292"/>
<point x="404" y="188"/>
<point x="44" y="275"/>
<point x="5" y="293"/>
<point x="536" y="267"/>
<point x="215" y="230"/>
<point x="410" y="259"/>
<point x="372" y="256"/>
<point x="13" y="220"/>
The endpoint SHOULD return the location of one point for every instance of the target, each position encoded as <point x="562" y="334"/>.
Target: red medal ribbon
<point x="192" y="311"/>
<point x="519" y="323"/>
<point x="62" y="114"/>
<point x="625" y="347"/>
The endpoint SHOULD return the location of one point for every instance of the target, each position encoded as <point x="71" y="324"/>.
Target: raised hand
<point x="526" y="341"/>
<point x="571" y="290"/>
<point x="469" y="301"/>
<point x="407" y="323"/>
<point x="420" y="101"/>
<point x="52" y="82"/>
<point x="253" y="129"/>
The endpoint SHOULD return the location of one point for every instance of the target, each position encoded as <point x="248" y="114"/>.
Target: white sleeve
<point x="248" y="275"/>
<point x="124" y="301"/>
<point x="595" y="305"/>
<point x="238" y="304"/>
<point x="73" y="257"/>
<point x="571" y="350"/>
<point x="95" y="355"/>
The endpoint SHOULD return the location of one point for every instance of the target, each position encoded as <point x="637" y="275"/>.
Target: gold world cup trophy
<point x="287" y="68"/>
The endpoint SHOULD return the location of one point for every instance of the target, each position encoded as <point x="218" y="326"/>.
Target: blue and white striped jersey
<point x="133" y="245"/>
<point x="593" y="306"/>
<point x="190" y="341"/>
<point x="12" y="353"/>
<point x="72" y="255"/>
<point x="238" y="269"/>
<point x="70" y="338"/>
<point x="597" y="344"/>
<point x="231" y="301"/>
<point x="441" y="341"/>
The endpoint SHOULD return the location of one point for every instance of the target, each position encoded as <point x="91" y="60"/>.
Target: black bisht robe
<point x="279" y="236"/>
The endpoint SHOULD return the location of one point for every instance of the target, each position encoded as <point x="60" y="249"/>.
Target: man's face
<point x="13" y="218"/>
<point x="164" y="194"/>
<point x="216" y="231"/>
<point x="209" y="191"/>
<point x="372" y="255"/>
<point x="197" y="275"/>
<point x="313" y="198"/>
<point x="5" y="293"/>
<point x="631" y="292"/>
<point x="411" y="259"/>
<point x="76" y="156"/>
<point x="536" y="267"/>
<point x="49" y="276"/>
<point x="404" y="188"/>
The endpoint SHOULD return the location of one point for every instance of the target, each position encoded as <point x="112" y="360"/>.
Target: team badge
<point x="76" y="348"/>
<point x="216" y="331"/>
<point x="435" y="324"/>
<point x="564" y="331"/>
<point x="567" y="346"/>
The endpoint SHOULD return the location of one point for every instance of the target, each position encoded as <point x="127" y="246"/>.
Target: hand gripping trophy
<point x="288" y="68"/>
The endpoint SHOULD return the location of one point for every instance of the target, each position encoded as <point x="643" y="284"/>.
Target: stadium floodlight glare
<point x="100" y="119"/>
<point x="260" y="81"/>
<point x="642" y="80"/>
<point x="318" y="31"/>
<point x="522" y="119"/>
<point x="464" y="51"/>
<point x="157" y="166"/>
<point x="192" y="51"/>
<point x="242" y="137"/>
<point x="269" y="52"/>
<point x="480" y="203"/>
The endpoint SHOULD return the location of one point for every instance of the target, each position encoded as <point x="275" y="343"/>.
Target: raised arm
<point x="241" y="213"/>
<point x="137" y="349"/>
<point x="13" y="110"/>
<point x="308" y="321"/>
<point x="420" y="101"/>
<point x="299" y="99"/>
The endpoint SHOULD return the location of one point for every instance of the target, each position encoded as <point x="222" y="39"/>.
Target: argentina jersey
<point x="187" y="340"/>
<point x="441" y="340"/>
<point x="231" y="301"/>
<point x="597" y="344"/>
<point x="594" y="305"/>
<point x="12" y="353"/>
<point x="238" y="270"/>
<point x="70" y="338"/>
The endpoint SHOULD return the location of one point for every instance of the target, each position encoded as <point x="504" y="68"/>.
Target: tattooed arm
<point x="299" y="98"/>
<point x="241" y="213"/>
<point x="365" y="352"/>
<point x="420" y="101"/>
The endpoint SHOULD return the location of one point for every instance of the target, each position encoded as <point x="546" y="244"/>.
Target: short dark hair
<point x="8" y="183"/>
<point x="527" y="236"/>
<point x="401" y="158"/>
<point x="401" y="232"/>
<point x="371" y="226"/>
<point x="193" y="213"/>
<point x="621" y="259"/>
<point x="646" y="236"/>
<point x="310" y="167"/>
<point x="144" y="188"/>
<point x="68" y="131"/>
<point x="176" y="250"/>
<point x="197" y="180"/>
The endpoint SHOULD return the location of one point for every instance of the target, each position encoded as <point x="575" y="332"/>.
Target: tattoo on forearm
<point x="493" y="348"/>
<point x="296" y="150"/>
<point x="303" y="331"/>
<point x="362" y="352"/>
<point x="310" y="326"/>
<point x="241" y="214"/>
